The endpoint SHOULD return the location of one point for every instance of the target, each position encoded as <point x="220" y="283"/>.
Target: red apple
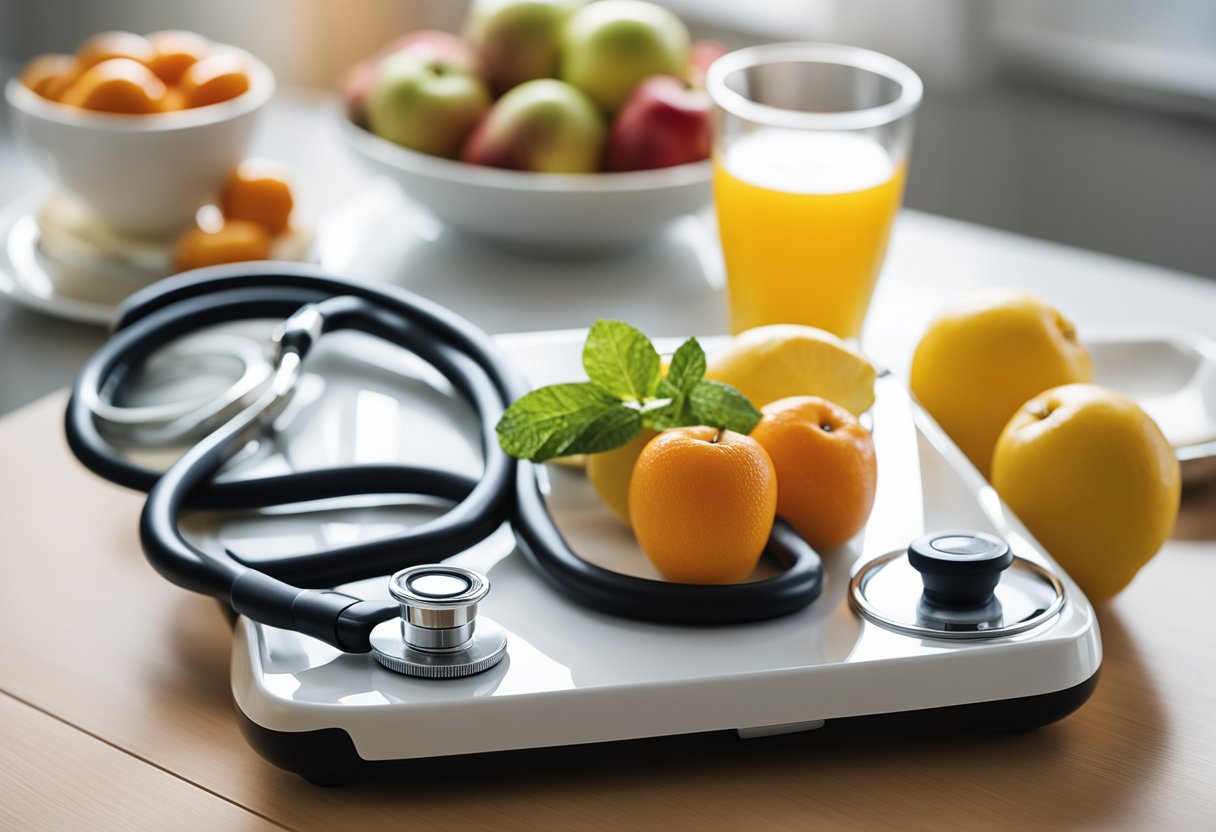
<point x="356" y="84"/>
<point x="431" y="44"/>
<point x="543" y="126"/>
<point x="665" y="122"/>
<point x="702" y="54"/>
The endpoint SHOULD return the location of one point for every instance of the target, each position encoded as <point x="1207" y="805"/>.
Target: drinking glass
<point x="811" y="143"/>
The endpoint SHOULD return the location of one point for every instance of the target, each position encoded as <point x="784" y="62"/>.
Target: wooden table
<point x="115" y="713"/>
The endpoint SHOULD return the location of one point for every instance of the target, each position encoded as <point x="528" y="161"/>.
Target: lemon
<point x="774" y="362"/>
<point x="984" y="356"/>
<point x="1093" y="478"/>
<point x="609" y="472"/>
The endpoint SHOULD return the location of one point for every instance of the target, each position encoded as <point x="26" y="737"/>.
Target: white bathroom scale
<point x="574" y="676"/>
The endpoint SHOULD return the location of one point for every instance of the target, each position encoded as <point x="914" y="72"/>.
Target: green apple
<point x="609" y="47"/>
<point x="544" y="126"/>
<point x="426" y="102"/>
<point x="517" y="40"/>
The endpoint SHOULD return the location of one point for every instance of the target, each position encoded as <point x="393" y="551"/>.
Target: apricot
<point x="214" y="79"/>
<point x="50" y="75"/>
<point x="232" y="242"/>
<point x="259" y="191"/>
<point x="175" y="52"/>
<point x="119" y="85"/>
<point x="174" y="100"/>
<point x="105" y="46"/>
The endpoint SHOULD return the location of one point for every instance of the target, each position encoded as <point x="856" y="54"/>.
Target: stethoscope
<point x="430" y="628"/>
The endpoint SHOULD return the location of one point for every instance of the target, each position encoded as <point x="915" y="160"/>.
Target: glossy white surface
<point x="581" y="216"/>
<point x="143" y="175"/>
<point x="573" y="675"/>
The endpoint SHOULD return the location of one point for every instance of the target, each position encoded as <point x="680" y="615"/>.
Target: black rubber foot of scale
<point x="327" y="757"/>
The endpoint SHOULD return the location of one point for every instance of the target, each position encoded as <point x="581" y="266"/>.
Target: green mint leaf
<point x="543" y="423"/>
<point x="611" y="429"/>
<point x="621" y="360"/>
<point x="667" y="417"/>
<point x="687" y="366"/>
<point x="673" y="414"/>
<point x="722" y="406"/>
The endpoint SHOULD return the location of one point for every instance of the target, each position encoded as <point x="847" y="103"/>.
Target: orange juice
<point x="804" y="219"/>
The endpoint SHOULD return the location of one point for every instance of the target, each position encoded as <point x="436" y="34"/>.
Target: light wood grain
<point x="53" y="776"/>
<point x="89" y="633"/>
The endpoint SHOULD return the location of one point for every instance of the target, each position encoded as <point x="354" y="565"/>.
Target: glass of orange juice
<point x="810" y="149"/>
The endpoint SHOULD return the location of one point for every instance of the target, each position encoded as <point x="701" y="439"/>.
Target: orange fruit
<point x="174" y="51"/>
<point x="702" y="502"/>
<point x="826" y="468"/>
<point x="233" y="242"/>
<point x="119" y="85"/>
<point x="214" y="79"/>
<point x="106" y="46"/>
<point x="174" y="100"/>
<point x="259" y="191"/>
<point x="1093" y="478"/>
<point x="984" y="356"/>
<point x="50" y="75"/>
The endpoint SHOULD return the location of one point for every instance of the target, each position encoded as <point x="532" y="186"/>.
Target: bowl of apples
<point x="551" y="127"/>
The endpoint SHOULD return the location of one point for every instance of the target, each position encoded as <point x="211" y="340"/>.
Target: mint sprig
<point x="621" y="360"/>
<point x="626" y="392"/>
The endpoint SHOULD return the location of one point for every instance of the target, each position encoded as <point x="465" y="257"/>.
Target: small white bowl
<point x="563" y="215"/>
<point x="143" y="175"/>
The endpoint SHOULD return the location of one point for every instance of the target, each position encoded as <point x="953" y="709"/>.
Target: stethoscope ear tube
<point x="290" y="591"/>
<point x="542" y="544"/>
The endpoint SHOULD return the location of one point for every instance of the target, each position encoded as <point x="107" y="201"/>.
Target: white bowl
<point x="540" y="213"/>
<point x="144" y="175"/>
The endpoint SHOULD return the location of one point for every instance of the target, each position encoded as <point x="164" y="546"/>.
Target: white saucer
<point x="61" y="289"/>
<point x="79" y="287"/>
<point x="1172" y="375"/>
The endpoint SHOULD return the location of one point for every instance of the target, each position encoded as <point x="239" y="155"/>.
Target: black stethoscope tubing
<point x="289" y="591"/>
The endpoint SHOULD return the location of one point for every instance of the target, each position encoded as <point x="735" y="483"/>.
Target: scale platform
<point x="575" y="676"/>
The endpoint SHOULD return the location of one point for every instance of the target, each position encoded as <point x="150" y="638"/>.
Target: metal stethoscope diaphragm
<point x="439" y="634"/>
<point x="956" y="584"/>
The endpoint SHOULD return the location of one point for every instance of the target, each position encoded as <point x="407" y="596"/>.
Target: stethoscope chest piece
<point x="956" y="584"/>
<point x="439" y="634"/>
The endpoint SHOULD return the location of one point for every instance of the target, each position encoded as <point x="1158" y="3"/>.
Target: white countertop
<point x="669" y="288"/>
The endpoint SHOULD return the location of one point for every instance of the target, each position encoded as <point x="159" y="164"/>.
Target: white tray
<point x="577" y="676"/>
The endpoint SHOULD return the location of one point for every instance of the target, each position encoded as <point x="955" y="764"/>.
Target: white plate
<point x="60" y="289"/>
<point x="1172" y="375"/>
<point x="81" y="289"/>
